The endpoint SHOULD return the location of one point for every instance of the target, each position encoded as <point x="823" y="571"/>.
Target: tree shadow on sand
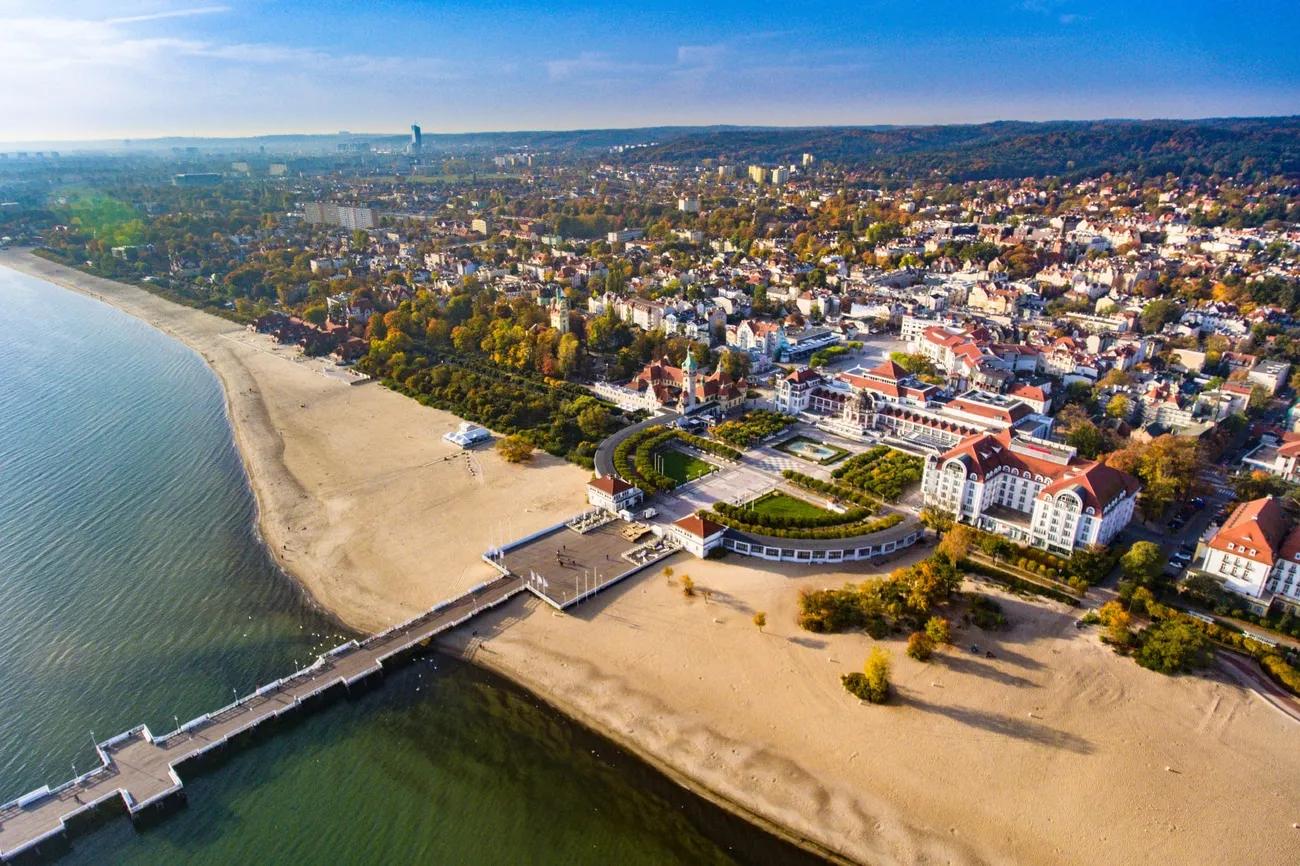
<point x="1029" y="730"/>
<point x="961" y="664"/>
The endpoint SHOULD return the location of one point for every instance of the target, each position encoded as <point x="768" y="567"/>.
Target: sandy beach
<point x="1052" y="751"/>
<point x="358" y="495"/>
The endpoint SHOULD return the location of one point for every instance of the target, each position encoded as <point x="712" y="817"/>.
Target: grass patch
<point x="778" y="504"/>
<point x="792" y="447"/>
<point x="682" y="467"/>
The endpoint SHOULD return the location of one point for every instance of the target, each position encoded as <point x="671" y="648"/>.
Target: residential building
<point x="1256" y="554"/>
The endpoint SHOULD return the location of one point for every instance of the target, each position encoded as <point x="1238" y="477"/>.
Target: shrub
<point x="752" y="426"/>
<point x="986" y="613"/>
<point x="920" y="646"/>
<point x="939" y="630"/>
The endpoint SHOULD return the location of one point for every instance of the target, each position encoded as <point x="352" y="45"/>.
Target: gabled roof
<point x="888" y="369"/>
<point x="700" y="527"/>
<point x="1255" y="530"/>
<point x="611" y="484"/>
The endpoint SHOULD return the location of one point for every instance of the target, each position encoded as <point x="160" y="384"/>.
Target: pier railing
<point x="142" y="770"/>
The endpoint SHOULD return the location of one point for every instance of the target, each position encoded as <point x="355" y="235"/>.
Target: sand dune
<point x="1054" y="751"/>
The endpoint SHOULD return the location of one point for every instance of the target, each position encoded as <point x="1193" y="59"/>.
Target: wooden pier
<point x="141" y="770"/>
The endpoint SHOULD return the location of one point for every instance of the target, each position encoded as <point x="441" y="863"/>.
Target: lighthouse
<point x="688" y="381"/>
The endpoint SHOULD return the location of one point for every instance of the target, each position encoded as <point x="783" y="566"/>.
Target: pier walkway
<point x="140" y="770"/>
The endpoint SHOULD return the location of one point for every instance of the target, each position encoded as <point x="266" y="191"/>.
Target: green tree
<point x="1158" y="313"/>
<point x="1143" y="561"/>
<point x="1173" y="646"/>
<point x="939" y="630"/>
<point x="594" y="422"/>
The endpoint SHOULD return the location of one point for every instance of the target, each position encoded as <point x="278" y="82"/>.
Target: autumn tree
<point x="515" y="449"/>
<point x="939" y="630"/>
<point x="957" y="542"/>
<point x="877" y="673"/>
<point x="1168" y="467"/>
<point x="920" y="646"/>
<point x="760" y="619"/>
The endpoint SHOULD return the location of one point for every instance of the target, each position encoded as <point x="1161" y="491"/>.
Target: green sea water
<point x="134" y="589"/>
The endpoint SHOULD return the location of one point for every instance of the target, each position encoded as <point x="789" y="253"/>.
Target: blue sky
<point x="77" y="70"/>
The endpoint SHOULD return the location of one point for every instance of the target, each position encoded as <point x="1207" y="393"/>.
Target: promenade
<point x="141" y="771"/>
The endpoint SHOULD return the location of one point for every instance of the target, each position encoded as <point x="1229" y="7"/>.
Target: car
<point x="1181" y="558"/>
<point x="1197" y="502"/>
<point x="1177" y="523"/>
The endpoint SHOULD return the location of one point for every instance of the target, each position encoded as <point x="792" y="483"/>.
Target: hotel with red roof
<point x="1031" y="490"/>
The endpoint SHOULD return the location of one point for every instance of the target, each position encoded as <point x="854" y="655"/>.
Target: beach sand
<point x="1054" y="751"/>
<point x="358" y="495"/>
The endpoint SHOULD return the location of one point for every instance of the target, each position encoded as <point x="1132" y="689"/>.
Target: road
<point x="1248" y="673"/>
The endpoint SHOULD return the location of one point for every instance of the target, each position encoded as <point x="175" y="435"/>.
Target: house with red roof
<point x="1256" y="553"/>
<point x="613" y="494"/>
<point x="698" y="535"/>
<point x="1031" y="490"/>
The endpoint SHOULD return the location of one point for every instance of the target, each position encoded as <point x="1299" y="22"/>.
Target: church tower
<point x="560" y="310"/>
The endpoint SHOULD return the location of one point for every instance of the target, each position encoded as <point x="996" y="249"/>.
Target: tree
<point x="1143" y="561"/>
<point x="1167" y="465"/>
<point x="876" y="671"/>
<point x="1159" y="313"/>
<point x="1119" y="406"/>
<point x="957" y="542"/>
<point x="939" y="630"/>
<point x="760" y="619"/>
<point x="939" y="521"/>
<point x="1173" y="646"/>
<point x="567" y="354"/>
<point x="1116" y="620"/>
<point x="920" y="646"/>
<point x="594" y="422"/>
<point x="688" y="586"/>
<point x="515" y="449"/>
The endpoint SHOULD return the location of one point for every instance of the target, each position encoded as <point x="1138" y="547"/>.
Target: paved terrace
<point x="141" y="771"/>
<point x="564" y="567"/>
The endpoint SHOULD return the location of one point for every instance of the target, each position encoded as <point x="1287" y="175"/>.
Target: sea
<point x="134" y="589"/>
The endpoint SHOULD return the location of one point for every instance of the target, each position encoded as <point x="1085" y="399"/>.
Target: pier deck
<point x="141" y="769"/>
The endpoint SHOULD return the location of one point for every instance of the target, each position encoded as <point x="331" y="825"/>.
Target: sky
<point x="77" y="70"/>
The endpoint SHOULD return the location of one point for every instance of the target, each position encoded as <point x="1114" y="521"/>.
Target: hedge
<point x="846" y="530"/>
<point x="826" y="488"/>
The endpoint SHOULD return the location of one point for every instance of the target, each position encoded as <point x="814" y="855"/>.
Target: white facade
<point x="1030" y="490"/>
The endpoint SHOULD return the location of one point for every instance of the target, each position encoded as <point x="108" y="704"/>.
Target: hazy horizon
<point x="139" y="69"/>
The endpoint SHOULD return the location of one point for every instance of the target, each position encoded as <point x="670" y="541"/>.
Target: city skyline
<point x="86" y="73"/>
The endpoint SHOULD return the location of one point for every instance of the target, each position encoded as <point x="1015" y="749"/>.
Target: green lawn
<point x="682" y="467"/>
<point x="778" y="504"/>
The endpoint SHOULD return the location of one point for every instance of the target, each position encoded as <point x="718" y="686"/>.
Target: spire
<point x="689" y="364"/>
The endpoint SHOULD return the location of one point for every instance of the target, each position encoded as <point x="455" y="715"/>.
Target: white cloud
<point x="165" y="14"/>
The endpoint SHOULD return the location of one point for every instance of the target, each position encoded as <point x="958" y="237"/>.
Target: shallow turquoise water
<point x="132" y="589"/>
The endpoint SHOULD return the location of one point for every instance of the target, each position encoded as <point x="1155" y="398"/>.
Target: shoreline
<point x="55" y="273"/>
<point x="576" y="714"/>
<point x="1056" y="751"/>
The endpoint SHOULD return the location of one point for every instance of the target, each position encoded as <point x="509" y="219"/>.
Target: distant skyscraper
<point x="416" y="139"/>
